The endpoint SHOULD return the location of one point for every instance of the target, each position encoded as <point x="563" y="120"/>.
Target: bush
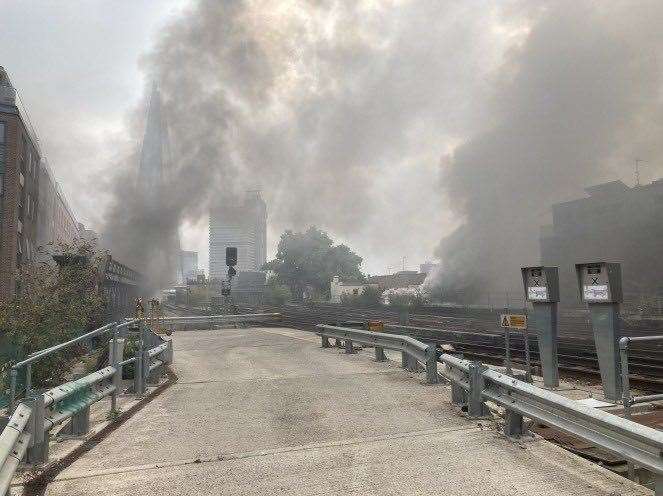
<point x="278" y="294"/>
<point x="407" y="301"/>
<point x="53" y="305"/>
<point x="371" y="297"/>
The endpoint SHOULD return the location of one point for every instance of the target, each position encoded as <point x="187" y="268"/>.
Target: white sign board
<point x="537" y="293"/>
<point x="596" y="292"/>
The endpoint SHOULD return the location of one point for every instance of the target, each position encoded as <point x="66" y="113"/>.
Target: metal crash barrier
<point x="27" y="432"/>
<point x="412" y="350"/>
<point x="473" y="384"/>
<point x="207" y="321"/>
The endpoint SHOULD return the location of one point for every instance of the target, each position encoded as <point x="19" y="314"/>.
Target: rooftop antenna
<point x="638" y="161"/>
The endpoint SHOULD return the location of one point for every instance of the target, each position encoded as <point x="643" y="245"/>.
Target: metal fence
<point x="27" y="432"/>
<point x="208" y="321"/>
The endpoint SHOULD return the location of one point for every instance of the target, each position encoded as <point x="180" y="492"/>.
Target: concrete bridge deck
<point x="267" y="411"/>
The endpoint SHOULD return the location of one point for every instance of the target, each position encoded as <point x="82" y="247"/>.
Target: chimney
<point x="7" y="91"/>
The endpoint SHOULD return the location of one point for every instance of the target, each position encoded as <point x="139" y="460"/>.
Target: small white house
<point x="340" y="287"/>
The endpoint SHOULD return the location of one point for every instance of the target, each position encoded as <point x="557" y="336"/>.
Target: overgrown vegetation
<point x="306" y="262"/>
<point x="277" y="294"/>
<point x="370" y="297"/>
<point x="407" y="301"/>
<point x="54" y="303"/>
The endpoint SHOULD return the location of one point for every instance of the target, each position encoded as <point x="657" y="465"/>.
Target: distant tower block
<point x="243" y="225"/>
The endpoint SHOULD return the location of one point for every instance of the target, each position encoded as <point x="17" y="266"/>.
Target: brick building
<point x="19" y="189"/>
<point x="56" y="221"/>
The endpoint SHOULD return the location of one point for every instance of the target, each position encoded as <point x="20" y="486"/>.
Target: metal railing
<point x="170" y="323"/>
<point x="627" y="398"/>
<point x="34" y="357"/>
<point x="27" y="432"/>
<point x="412" y="350"/>
<point x="473" y="384"/>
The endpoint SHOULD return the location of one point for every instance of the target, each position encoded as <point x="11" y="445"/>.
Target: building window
<point x="3" y="126"/>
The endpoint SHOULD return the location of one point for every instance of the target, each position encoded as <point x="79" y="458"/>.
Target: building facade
<point x="189" y="265"/>
<point x="243" y="226"/>
<point x="614" y="223"/>
<point x="56" y="224"/>
<point x="19" y="190"/>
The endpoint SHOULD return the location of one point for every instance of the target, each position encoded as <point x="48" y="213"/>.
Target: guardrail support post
<point x="431" y="364"/>
<point x="513" y="426"/>
<point x="325" y="341"/>
<point x="379" y="354"/>
<point x="37" y="453"/>
<point x="476" y="408"/>
<point x="116" y="355"/>
<point x="349" y="348"/>
<point x="139" y="373"/>
<point x="79" y="423"/>
<point x="170" y="353"/>
<point x="658" y="485"/>
<point x="405" y="360"/>
<point x="458" y="395"/>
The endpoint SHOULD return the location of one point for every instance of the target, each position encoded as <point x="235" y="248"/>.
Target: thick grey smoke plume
<point x="337" y="110"/>
<point x="573" y="106"/>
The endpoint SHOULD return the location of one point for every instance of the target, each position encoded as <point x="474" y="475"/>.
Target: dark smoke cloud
<point x="330" y="107"/>
<point x="573" y="106"/>
<point x="339" y="110"/>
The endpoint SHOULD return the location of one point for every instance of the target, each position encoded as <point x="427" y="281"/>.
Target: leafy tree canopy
<point x="310" y="259"/>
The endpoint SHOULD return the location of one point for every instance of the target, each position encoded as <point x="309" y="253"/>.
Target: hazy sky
<point x="393" y="124"/>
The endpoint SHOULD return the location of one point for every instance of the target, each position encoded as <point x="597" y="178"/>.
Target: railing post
<point x="349" y="348"/>
<point x="13" y="375"/>
<point x="379" y="354"/>
<point x="171" y="354"/>
<point x="431" y="364"/>
<point x="405" y="360"/>
<point x="79" y="423"/>
<point x="513" y="426"/>
<point x="37" y="453"/>
<point x="626" y="391"/>
<point x="626" y="386"/>
<point x="116" y="356"/>
<point x="325" y="341"/>
<point x="28" y="380"/>
<point x="458" y="395"/>
<point x="139" y="374"/>
<point x="476" y="408"/>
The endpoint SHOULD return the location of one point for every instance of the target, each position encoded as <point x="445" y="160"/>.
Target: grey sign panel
<point x="541" y="284"/>
<point x="600" y="282"/>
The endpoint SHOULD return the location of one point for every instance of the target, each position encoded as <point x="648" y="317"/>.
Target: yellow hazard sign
<point x="513" y="321"/>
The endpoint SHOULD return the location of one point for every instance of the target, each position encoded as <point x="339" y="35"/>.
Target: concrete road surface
<point x="269" y="412"/>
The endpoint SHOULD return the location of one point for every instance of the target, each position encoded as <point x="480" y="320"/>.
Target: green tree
<point x="54" y="304"/>
<point x="311" y="259"/>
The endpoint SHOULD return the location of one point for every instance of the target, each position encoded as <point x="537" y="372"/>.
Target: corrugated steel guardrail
<point x="410" y="348"/>
<point x="27" y="429"/>
<point x="473" y="384"/>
